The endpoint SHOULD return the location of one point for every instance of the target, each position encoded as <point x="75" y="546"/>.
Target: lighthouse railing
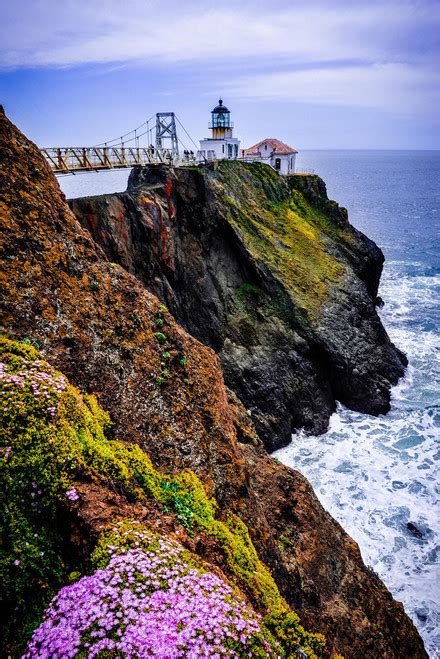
<point x="215" y="124"/>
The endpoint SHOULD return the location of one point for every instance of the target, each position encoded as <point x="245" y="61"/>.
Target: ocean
<point x="376" y="475"/>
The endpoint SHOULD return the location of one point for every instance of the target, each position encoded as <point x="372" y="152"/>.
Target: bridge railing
<point x="71" y="159"/>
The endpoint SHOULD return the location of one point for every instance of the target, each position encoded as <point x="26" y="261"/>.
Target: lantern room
<point x="221" y="124"/>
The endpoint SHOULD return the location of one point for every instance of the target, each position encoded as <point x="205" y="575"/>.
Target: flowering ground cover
<point x="149" y="600"/>
<point x="53" y="436"/>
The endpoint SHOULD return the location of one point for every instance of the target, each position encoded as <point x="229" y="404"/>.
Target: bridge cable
<point x="118" y="140"/>
<point x="197" y="148"/>
<point x="180" y="123"/>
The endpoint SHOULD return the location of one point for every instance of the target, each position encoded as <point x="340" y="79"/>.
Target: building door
<point x="278" y="164"/>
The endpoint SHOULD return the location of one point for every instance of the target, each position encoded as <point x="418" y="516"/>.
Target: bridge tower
<point x="166" y="129"/>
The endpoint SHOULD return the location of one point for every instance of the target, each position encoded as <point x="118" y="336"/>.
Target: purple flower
<point x="72" y="494"/>
<point x="122" y="609"/>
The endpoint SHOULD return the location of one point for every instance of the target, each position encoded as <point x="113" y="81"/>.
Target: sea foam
<point x="379" y="476"/>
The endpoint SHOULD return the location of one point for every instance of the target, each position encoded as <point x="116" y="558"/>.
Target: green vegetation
<point x="164" y="600"/>
<point x="287" y="540"/>
<point x="53" y="438"/>
<point x="163" y="377"/>
<point x="31" y="342"/>
<point x="287" y="630"/>
<point x="282" y="229"/>
<point x="130" y="534"/>
<point x="248" y="291"/>
<point x="249" y="298"/>
<point x="167" y="357"/>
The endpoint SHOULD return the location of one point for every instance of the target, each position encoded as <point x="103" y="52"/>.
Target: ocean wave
<point x="379" y="476"/>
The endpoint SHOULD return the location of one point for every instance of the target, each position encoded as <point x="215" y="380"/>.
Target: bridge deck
<point x="80" y="159"/>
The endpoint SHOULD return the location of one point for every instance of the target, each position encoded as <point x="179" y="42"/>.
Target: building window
<point x="278" y="164"/>
<point x="223" y="148"/>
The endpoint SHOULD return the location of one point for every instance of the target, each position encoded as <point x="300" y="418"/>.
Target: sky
<point x="317" y="75"/>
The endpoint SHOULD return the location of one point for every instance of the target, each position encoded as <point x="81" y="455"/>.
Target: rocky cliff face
<point x="270" y="274"/>
<point x="164" y="390"/>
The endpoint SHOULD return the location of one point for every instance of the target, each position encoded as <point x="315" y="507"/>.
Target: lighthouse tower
<point x="221" y="145"/>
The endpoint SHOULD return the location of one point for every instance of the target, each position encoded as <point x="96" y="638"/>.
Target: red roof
<point x="277" y="147"/>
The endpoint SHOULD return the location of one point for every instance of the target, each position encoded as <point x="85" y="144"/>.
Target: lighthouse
<point x="221" y="145"/>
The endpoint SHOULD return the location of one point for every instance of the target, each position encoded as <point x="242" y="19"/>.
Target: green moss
<point x="54" y="436"/>
<point x="286" y="628"/>
<point x="31" y="342"/>
<point x="243" y="562"/>
<point x="282" y="229"/>
<point x="130" y="534"/>
<point x="250" y="298"/>
<point x="249" y="293"/>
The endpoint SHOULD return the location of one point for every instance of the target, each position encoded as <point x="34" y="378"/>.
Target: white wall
<point x="287" y="165"/>
<point x="284" y="163"/>
<point x="265" y="150"/>
<point x="293" y="163"/>
<point x="287" y="162"/>
<point x="220" y="147"/>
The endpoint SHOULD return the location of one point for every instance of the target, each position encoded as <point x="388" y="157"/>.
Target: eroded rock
<point x="269" y="273"/>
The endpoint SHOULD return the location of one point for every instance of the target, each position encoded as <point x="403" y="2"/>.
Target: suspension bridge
<point x="140" y="146"/>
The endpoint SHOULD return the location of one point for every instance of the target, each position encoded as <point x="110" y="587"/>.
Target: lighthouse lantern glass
<point x="220" y="120"/>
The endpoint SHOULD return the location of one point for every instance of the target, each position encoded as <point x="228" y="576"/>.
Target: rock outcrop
<point x="164" y="390"/>
<point x="270" y="274"/>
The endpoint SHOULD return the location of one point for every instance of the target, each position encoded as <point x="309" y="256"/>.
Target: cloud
<point x="37" y="33"/>
<point x="381" y="54"/>
<point x="392" y="86"/>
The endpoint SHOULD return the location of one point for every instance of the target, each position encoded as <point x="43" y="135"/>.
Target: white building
<point x="221" y="145"/>
<point x="275" y="153"/>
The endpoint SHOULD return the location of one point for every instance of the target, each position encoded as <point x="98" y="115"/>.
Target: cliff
<point x="270" y="274"/>
<point x="168" y="412"/>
